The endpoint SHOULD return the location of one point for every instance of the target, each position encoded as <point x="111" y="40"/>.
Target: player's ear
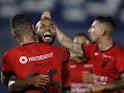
<point x="33" y="28"/>
<point x="103" y="32"/>
<point x="13" y="34"/>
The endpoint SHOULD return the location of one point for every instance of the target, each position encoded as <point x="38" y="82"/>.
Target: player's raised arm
<point x="63" y="39"/>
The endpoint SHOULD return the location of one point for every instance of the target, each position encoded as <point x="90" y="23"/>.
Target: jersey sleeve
<point x="63" y="53"/>
<point x="65" y="76"/>
<point x="7" y="68"/>
<point x="89" y="50"/>
<point x="119" y="61"/>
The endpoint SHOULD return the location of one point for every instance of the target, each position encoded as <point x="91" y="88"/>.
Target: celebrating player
<point x="32" y="67"/>
<point x="77" y="85"/>
<point x="45" y="33"/>
<point x="107" y="57"/>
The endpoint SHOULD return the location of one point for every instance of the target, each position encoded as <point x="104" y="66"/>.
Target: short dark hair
<point x="20" y="22"/>
<point x="107" y="19"/>
<point x="37" y="24"/>
<point x="109" y="23"/>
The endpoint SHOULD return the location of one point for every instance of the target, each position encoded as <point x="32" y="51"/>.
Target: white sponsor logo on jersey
<point x="100" y="80"/>
<point x="79" y="88"/>
<point x="25" y="59"/>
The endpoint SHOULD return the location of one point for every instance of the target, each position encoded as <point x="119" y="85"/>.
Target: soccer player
<point x="45" y="33"/>
<point x="81" y="39"/>
<point x="32" y="67"/>
<point x="73" y="54"/>
<point x="107" y="57"/>
<point x="77" y="85"/>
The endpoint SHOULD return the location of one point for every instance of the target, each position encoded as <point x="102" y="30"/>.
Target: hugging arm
<point x="20" y="85"/>
<point x="116" y="85"/>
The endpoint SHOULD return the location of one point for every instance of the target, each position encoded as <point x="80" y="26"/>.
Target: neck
<point x="105" y="44"/>
<point x="25" y="40"/>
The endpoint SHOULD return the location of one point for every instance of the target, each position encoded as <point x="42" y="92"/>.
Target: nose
<point x="47" y="28"/>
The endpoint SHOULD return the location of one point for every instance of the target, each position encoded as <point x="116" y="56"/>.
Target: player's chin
<point x="48" y="40"/>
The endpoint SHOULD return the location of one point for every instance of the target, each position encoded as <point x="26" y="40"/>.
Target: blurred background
<point x="72" y="16"/>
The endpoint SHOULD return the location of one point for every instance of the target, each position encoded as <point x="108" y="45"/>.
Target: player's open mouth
<point x="47" y="35"/>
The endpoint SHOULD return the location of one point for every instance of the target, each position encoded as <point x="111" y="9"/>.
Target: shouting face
<point x="46" y="31"/>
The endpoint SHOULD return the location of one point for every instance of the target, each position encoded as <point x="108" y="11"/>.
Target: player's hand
<point x="38" y="81"/>
<point x="87" y="77"/>
<point x="96" y="88"/>
<point x="46" y="14"/>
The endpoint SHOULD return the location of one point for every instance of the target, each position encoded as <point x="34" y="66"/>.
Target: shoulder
<point x="60" y="48"/>
<point x="11" y="51"/>
<point x="117" y="52"/>
<point x="118" y="49"/>
<point x="8" y="56"/>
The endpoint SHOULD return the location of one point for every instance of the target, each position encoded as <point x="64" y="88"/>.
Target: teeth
<point x="47" y="37"/>
<point x="47" y="33"/>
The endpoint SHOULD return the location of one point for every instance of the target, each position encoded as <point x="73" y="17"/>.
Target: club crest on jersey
<point x="25" y="59"/>
<point x="104" y="63"/>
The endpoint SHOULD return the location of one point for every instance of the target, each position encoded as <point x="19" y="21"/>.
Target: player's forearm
<point x="18" y="85"/>
<point x="66" y="91"/>
<point x="66" y="42"/>
<point x="119" y="84"/>
<point x="77" y="57"/>
<point x="4" y="79"/>
<point x="62" y="38"/>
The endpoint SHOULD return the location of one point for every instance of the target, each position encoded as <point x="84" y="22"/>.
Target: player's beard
<point x="39" y="39"/>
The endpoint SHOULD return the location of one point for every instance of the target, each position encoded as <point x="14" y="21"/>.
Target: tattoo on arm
<point x="77" y="46"/>
<point x="71" y="45"/>
<point x="119" y="84"/>
<point x="17" y="85"/>
<point x="63" y="40"/>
